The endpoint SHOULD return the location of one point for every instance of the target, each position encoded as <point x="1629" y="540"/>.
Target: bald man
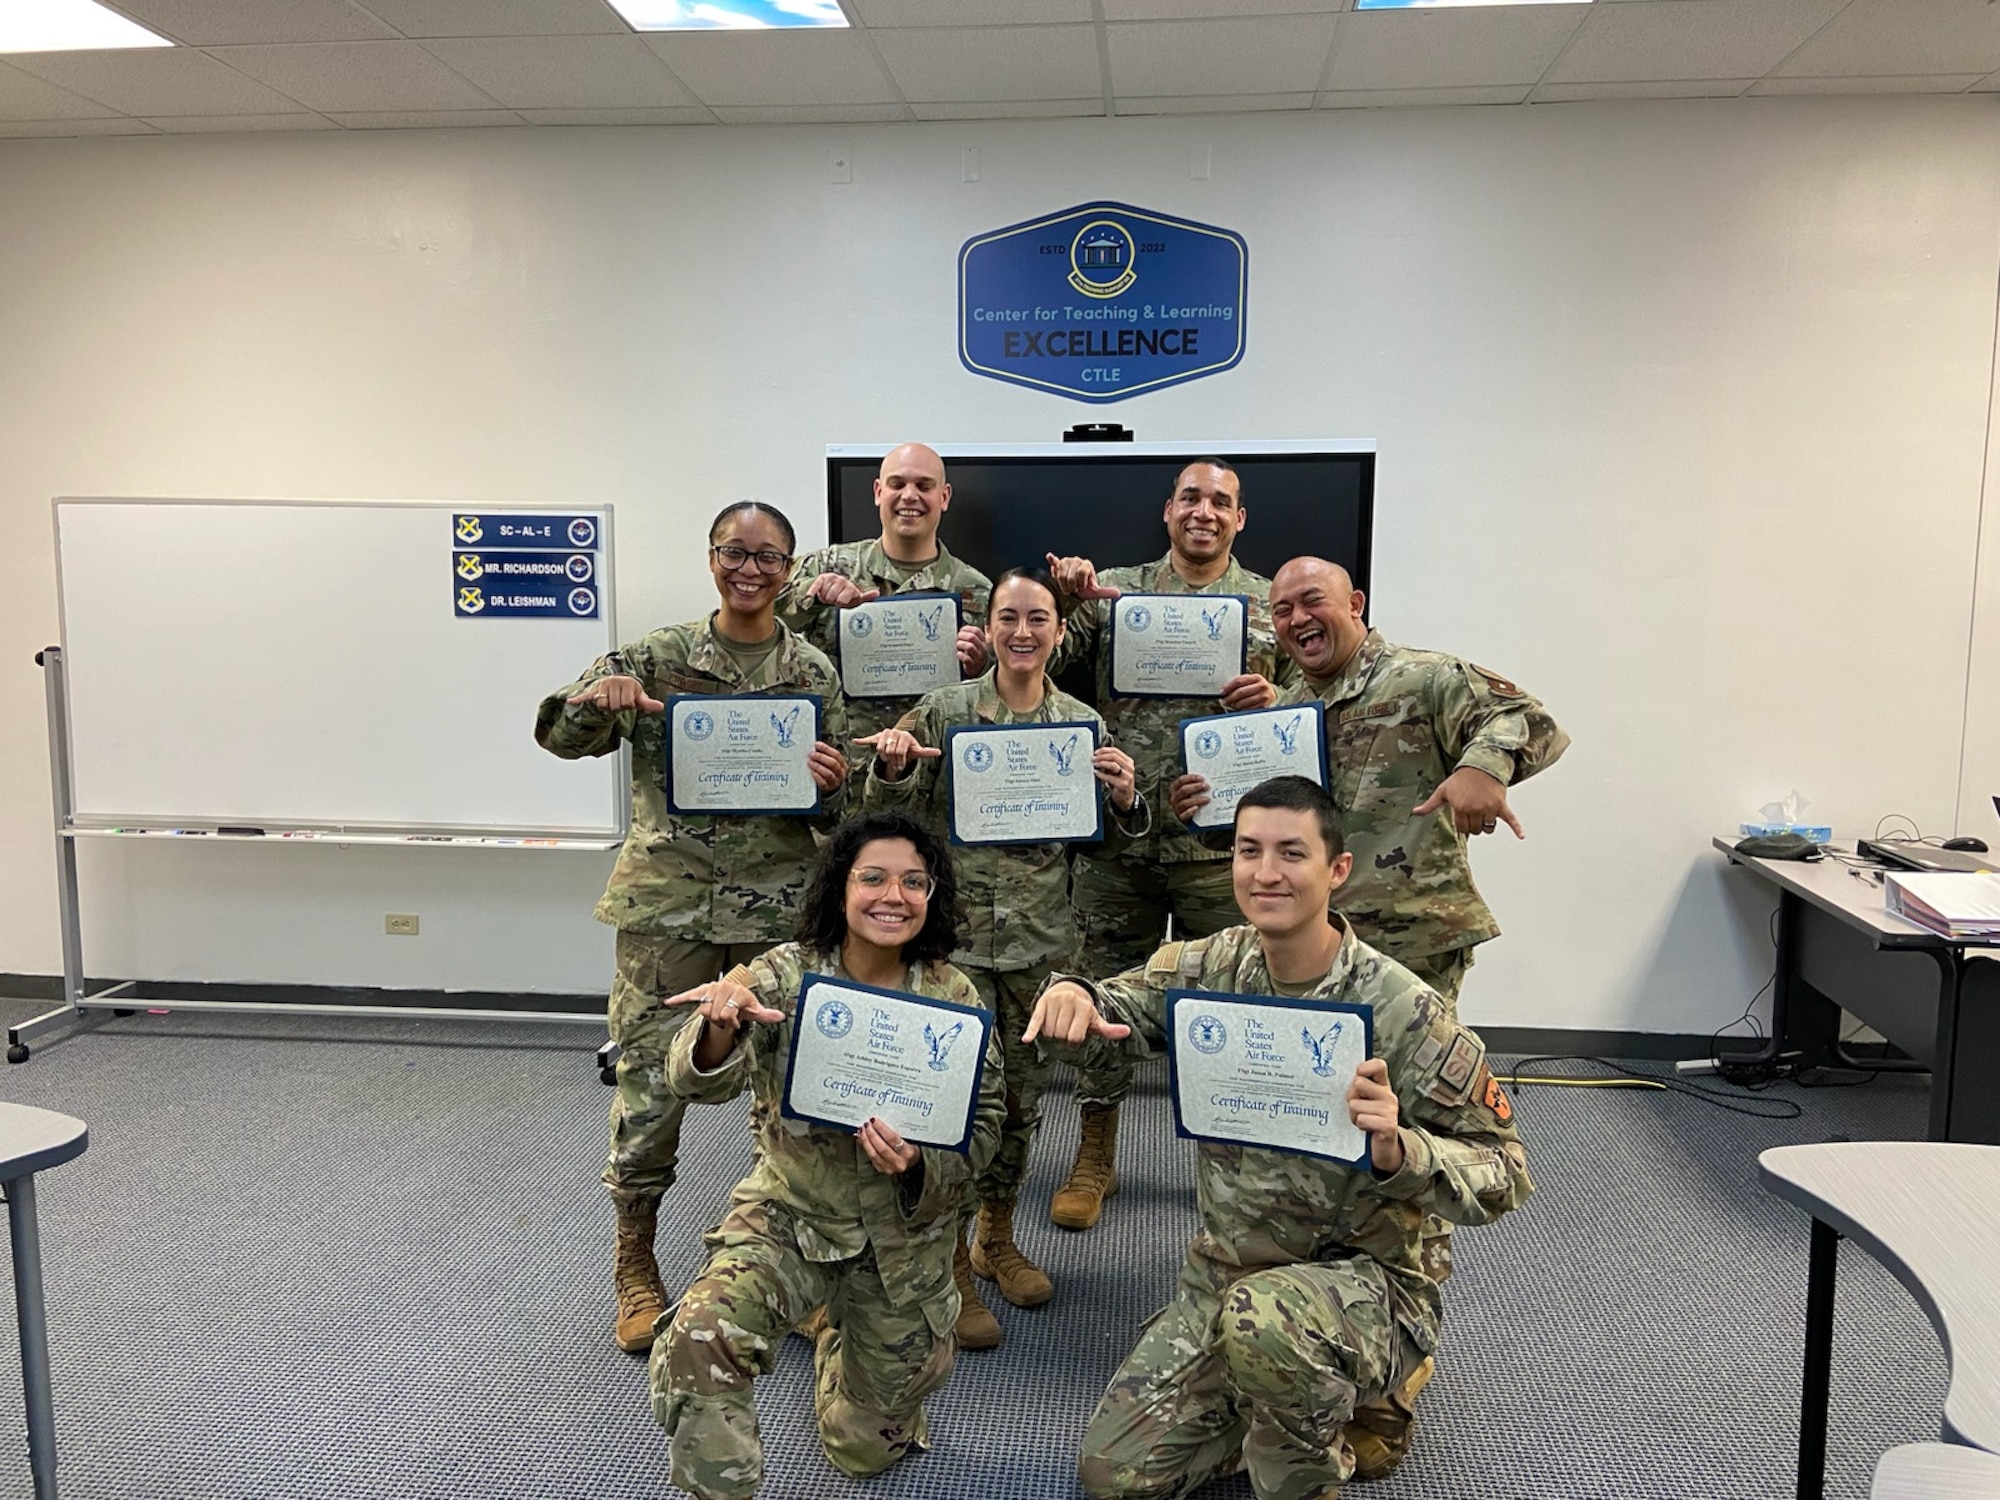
<point x="912" y="495"/>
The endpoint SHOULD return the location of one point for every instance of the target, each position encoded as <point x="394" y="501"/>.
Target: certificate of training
<point x="1023" y="783"/>
<point x="1177" y="645"/>
<point x="914" y="1064"/>
<point x="1257" y="1070"/>
<point x="741" y="755"/>
<point x="1233" y="752"/>
<point x="899" y="646"/>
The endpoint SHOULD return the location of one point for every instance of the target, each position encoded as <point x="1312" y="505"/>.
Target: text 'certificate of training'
<point x="741" y="755"/>
<point x="1257" y="1070"/>
<point x="1023" y="783"/>
<point x="860" y="1052"/>
<point x="1177" y="645"/>
<point x="1233" y="752"/>
<point x="900" y="646"/>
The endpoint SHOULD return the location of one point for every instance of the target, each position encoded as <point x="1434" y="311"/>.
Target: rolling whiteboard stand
<point x="179" y="750"/>
<point x="121" y="999"/>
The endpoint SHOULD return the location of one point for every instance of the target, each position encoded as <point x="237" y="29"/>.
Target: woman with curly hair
<point x="861" y="1223"/>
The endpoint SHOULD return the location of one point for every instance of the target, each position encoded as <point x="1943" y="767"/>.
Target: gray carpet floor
<point x="361" y="1258"/>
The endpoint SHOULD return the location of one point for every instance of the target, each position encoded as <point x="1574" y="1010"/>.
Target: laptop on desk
<point x="1912" y="856"/>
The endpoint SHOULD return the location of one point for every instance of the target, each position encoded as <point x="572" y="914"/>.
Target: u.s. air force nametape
<point x="1102" y="301"/>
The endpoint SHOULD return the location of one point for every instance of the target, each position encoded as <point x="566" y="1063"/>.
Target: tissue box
<point x="1819" y="833"/>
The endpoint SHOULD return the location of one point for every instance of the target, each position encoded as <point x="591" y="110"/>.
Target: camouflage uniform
<point x="1398" y="721"/>
<point x="1016" y="897"/>
<point x="1122" y="896"/>
<point x="690" y="895"/>
<point x="1301" y="1296"/>
<point x="815" y="1224"/>
<point x="868" y="565"/>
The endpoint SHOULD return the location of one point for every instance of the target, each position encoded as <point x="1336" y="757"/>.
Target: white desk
<point x="1930" y="1212"/>
<point x="1936" y="1471"/>
<point x="30" y="1141"/>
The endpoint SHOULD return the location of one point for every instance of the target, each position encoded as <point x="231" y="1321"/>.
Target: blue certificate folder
<point x="1049" y="796"/>
<point x="887" y="1065"/>
<point x="1262" y="1070"/>
<point x="1234" y="752"/>
<point x="790" y="720"/>
<point x="1138" y="622"/>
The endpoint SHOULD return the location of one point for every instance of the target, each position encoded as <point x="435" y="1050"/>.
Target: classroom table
<point x="32" y="1140"/>
<point x="1930" y="1212"/>
<point x="1936" y="1471"/>
<point x="1840" y="949"/>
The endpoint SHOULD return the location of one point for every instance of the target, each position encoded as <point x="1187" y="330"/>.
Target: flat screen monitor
<point x="1013" y="503"/>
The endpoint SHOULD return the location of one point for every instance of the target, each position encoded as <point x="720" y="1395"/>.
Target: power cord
<point x="1614" y="1077"/>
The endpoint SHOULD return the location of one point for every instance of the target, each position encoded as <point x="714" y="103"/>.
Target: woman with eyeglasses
<point x="691" y="895"/>
<point x="1020" y="924"/>
<point x="859" y="1223"/>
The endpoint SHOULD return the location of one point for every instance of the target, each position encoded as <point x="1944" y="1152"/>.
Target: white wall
<point x="1665" y="393"/>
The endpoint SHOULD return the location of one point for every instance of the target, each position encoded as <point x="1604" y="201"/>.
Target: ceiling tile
<point x="1883" y="38"/>
<point x="563" y="72"/>
<point x="115" y="126"/>
<point x="1670" y="88"/>
<point x="1263" y="54"/>
<point x="1921" y="83"/>
<point x="203" y="23"/>
<point x="1413" y="49"/>
<point x="1205" y="10"/>
<point x="1405" y="98"/>
<point x="774" y="67"/>
<point x="424" y="119"/>
<point x="24" y="97"/>
<point x="1213" y="104"/>
<point x="1689" y="39"/>
<point x="431" y="18"/>
<point x="689" y="114"/>
<point x="878" y="14"/>
<point x="974" y="66"/>
<point x="157" y="81"/>
<point x="1013" y="109"/>
<point x="810" y="114"/>
<point x="216" y="124"/>
<point x="358" y="77"/>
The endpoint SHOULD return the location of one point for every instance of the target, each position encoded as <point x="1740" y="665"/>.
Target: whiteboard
<point x="287" y="664"/>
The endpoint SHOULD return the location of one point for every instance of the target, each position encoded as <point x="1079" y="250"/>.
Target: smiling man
<point x="1123" y="897"/>
<point x="912" y="495"/>
<point x="1302" y="1301"/>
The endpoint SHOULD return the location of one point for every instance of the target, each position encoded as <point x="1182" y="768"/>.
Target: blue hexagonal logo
<point x="1102" y="301"/>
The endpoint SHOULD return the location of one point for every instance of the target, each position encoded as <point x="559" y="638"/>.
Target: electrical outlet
<point x="400" y="924"/>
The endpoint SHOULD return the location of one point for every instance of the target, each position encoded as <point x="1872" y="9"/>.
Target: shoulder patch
<point x="1167" y="959"/>
<point x="1495" y="1097"/>
<point x="1461" y="1060"/>
<point x="1428" y="1051"/>
<point x="1501" y="687"/>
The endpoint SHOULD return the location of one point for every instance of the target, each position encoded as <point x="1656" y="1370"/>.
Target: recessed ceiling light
<point x="1440" y="4"/>
<point x="728" y="15"/>
<point x="69" y="26"/>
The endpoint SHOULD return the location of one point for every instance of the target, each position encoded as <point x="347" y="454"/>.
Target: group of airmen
<point x="1308" y="1307"/>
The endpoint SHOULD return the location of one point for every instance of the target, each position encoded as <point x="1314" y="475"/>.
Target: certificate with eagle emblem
<point x="900" y="646"/>
<point x="1023" y="783"/>
<point x="859" y="1052"/>
<point x="1234" y="752"/>
<point x="741" y="754"/>
<point x="1261" y="1070"/>
<point x="1177" y="645"/>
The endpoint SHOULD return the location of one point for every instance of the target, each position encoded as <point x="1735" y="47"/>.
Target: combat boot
<point x="976" y="1328"/>
<point x="1381" y="1430"/>
<point x="1080" y="1199"/>
<point x="996" y="1257"/>
<point x="636" y="1276"/>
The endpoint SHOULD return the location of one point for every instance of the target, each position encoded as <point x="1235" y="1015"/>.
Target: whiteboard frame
<point x="610" y="835"/>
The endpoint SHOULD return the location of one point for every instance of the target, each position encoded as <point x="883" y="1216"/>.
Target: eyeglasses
<point x="733" y="557"/>
<point x="916" y="884"/>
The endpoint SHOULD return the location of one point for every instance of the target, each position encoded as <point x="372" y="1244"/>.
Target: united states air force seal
<point x="698" y="725"/>
<point x="977" y="757"/>
<point x="834" y="1018"/>
<point x="1138" y="619"/>
<point x="1207" y="1034"/>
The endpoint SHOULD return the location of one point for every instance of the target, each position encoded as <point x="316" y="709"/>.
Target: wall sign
<point x="514" y="564"/>
<point x="1102" y="301"/>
